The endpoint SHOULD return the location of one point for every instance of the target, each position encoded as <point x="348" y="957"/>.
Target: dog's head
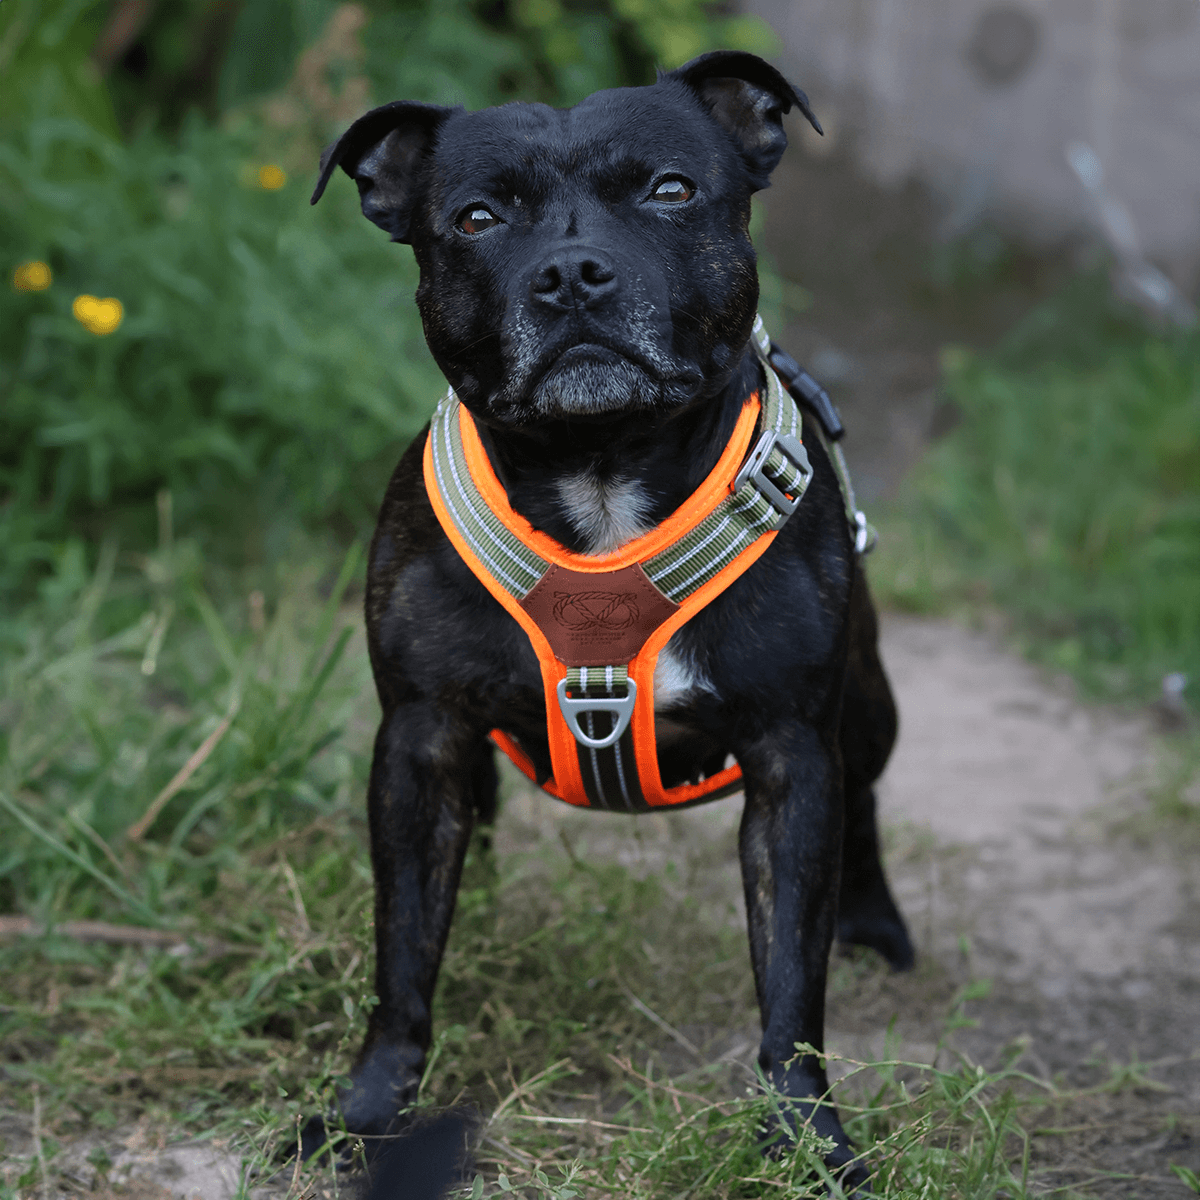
<point x="584" y="262"/>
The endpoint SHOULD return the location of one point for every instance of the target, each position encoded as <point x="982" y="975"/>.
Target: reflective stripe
<point x="745" y="500"/>
<point x="589" y="718"/>
<point x="616" y="752"/>
<point x="476" y="543"/>
<point x="779" y="410"/>
<point x="487" y="533"/>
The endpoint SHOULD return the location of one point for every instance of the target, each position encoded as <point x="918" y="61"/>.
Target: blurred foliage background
<point x="1067" y="497"/>
<point x="269" y="365"/>
<point x="204" y="383"/>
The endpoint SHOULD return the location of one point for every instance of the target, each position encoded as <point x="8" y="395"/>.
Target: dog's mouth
<point x="591" y="380"/>
<point x="587" y="352"/>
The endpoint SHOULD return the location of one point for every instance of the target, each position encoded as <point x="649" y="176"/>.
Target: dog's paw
<point x="423" y="1162"/>
<point x="320" y="1138"/>
<point x="426" y="1162"/>
<point x="852" y="1176"/>
<point x="376" y="1106"/>
<point x="841" y="1162"/>
<point x="874" y="921"/>
<point x="782" y="1135"/>
<point x="349" y="1140"/>
<point x="887" y="938"/>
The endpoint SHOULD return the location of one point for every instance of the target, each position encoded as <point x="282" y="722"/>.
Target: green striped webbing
<point x="679" y="570"/>
<point x="597" y="681"/>
<point x="512" y="564"/>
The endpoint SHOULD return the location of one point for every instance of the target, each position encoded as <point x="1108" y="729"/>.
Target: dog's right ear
<point x="382" y="152"/>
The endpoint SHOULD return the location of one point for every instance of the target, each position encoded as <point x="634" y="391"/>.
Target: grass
<point x="572" y="1076"/>
<point x="135" y="696"/>
<point x="582" y="1003"/>
<point x="184" y="749"/>
<point x="1068" y="496"/>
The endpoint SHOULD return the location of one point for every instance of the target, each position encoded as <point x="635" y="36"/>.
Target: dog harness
<point x="599" y="622"/>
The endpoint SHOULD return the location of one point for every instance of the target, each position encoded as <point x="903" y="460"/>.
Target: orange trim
<point x="685" y="518"/>
<point x="645" y="748"/>
<point x="523" y="762"/>
<point x="568" y="781"/>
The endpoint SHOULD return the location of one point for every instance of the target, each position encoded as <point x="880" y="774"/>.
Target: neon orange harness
<point x="599" y="622"/>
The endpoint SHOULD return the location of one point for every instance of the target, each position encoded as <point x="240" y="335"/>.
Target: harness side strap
<point x="778" y="365"/>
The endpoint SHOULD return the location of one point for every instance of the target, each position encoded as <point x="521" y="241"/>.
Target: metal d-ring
<point x="621" y="708"/>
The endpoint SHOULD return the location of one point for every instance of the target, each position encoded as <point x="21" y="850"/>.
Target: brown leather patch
<point x="600" y="619"/>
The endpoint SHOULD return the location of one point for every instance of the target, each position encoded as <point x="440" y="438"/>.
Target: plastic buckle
<point x="753" y="471"/>
<point x="621" y="708"/>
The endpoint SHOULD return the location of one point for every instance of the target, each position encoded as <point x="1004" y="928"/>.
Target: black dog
<point x="588" y="287"/>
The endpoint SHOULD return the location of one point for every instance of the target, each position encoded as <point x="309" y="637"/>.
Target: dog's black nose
<point x="572" y="277"/>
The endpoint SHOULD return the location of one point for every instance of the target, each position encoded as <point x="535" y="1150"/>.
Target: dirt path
<point x="1044" y="875"/>
<point x="998" y="760"/>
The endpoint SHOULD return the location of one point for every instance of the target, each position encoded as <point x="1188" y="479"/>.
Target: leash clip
<point x="621" y="708"/>
<point x="754" y="471"/>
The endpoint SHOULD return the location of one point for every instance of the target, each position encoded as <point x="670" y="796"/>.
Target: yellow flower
<point x="271" y="177"/>
<point x="32" y="277"/>
<point x="98" y="316"/>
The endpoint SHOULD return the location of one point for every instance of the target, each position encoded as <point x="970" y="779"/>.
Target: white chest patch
<point x="605" y="513"/>
<point x="676" y="678"/>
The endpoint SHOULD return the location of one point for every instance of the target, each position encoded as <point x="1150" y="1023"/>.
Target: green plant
<point x="253" y="368"/>
<point x="1070" y="492"/>
<point x="1187" y="1177"/>
<point x="45" y="67"/>
<point x="260" y="359"/>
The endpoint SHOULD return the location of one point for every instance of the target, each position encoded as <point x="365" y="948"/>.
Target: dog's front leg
<point x="428" y="778"/>
<point x="790" y="848"/>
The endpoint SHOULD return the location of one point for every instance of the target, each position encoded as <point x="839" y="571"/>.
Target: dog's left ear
<point x="382" y="152"/>
<point x="748" y="98"/>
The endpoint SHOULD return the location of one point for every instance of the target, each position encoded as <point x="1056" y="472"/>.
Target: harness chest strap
<point x="599" y="622"/>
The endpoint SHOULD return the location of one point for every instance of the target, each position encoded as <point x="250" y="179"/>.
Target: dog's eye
<point x="673" y="191"/>
<point x="476" y="220"/>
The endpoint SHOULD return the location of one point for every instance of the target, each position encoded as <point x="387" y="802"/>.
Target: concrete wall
<point x="981" y="97"/>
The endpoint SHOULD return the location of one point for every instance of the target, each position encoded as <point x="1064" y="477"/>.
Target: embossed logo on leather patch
<point x="597" y="618"/>
<point x="595" y="610"/>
